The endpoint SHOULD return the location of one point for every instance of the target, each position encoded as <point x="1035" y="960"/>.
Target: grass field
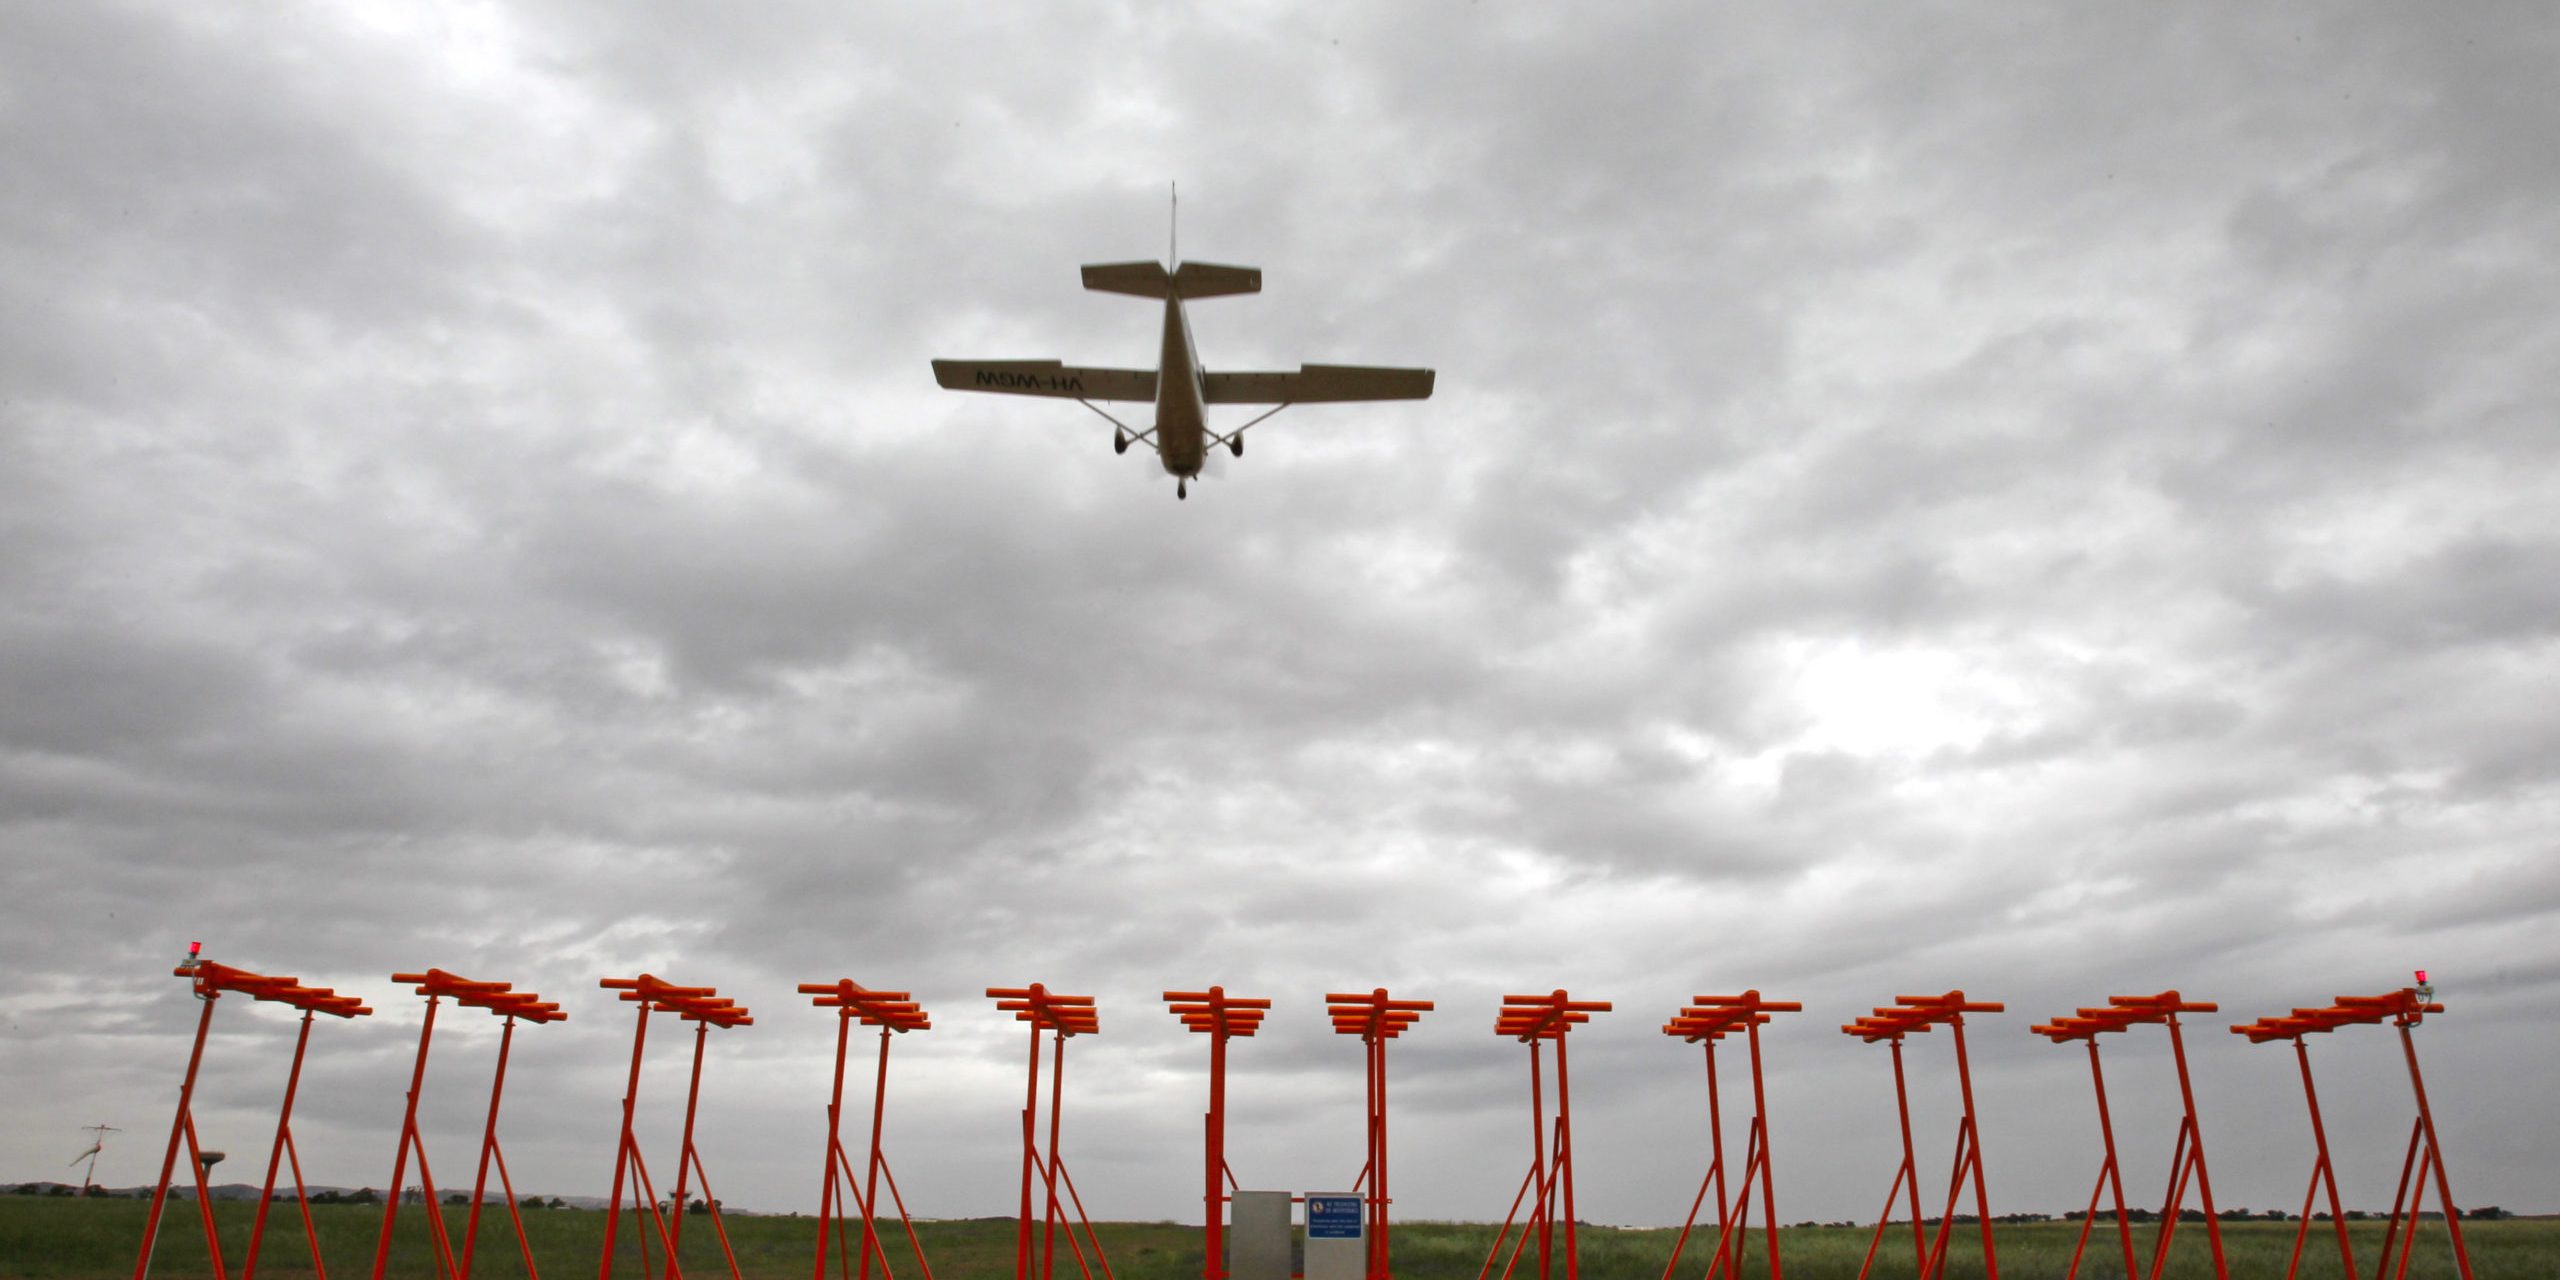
<point x="64" y="1237"/>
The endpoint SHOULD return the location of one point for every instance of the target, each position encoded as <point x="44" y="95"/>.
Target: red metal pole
<point x="213" y="1241"/>
<point x="177" y="1134"/>
<point x="1212" y="1254"/>
<point x="408" y="1137"/>
<point x="1049" y="1218"/>
<point x="1544" y="1212"/>
<point x="1564" y="1156"/>
<point x="685" y="1157"/>
<point x="2444" y="1190"/>
<point x="1381" y="1264"/>
<point x="1715" y="1167"/>
<point x="2321" y="1172"/>
<point x="835" y="1145"/>
<point x="2109" y="1174"/>
<point x="1714" y="1175"/>
<point x="622" y="1152"/>
<point x="488" y="1147"/>
<point x="2195" y="1150"/>
<point x="1768" y="1174"/>
<point x="1030" y="1134"/>
<point x="275" y="1156"/>
<point x="1910" y="1161"/>
<point x="871" y="1176"/>
<point x="1981" y="1199"/>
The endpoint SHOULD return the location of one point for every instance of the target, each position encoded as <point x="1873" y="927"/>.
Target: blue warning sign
<point x="1333" y="1217"/>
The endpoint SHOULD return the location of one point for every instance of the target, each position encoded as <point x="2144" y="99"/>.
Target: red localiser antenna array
<point x="891" y="1011"/>
<point x="2187" y="1157"/>
<point x="1376" y="1019"/>
<point x="1909" y="1015"/>
<point x="209" y="980"/>
<point x="1705" y="1020"/>
<point x="1534" y="1021"/>
<point x="2405" y="1009"/>
<point x="705" y="1008"/>
<point x="1217" y="1015"/>
<point x="508" y="1004"/>
<point x="1060" y="1016"/>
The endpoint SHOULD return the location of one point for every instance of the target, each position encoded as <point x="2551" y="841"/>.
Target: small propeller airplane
<point x="1180" y="388"/>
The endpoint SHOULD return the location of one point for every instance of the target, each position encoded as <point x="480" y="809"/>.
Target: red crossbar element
<point x="1376" y="1020"/>
<point x="1705" y="1020"/>
<point x="2404" y="1009"/>
<point x="705" y="1008"/>
<point x="1060" y="1016"/>
<point x="891" y="1011"/>
<point x="507" y="1003"/>
<point x="1218" y="1015"/>
<point x="1535" y="1020"/>
<point x="1908" y="1015"/>
<point x="208" y="980"/>
<point x="2186" y="1158"/>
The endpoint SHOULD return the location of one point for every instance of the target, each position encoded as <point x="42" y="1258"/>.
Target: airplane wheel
<point x="1119" y="442"/>
<point x="1182" y="489"/>
<point x="1236" y="446"/>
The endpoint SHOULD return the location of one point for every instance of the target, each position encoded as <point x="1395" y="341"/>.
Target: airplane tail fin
<point x="1190" y="280"/>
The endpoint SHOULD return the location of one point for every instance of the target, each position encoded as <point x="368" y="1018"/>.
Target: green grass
<point x="64" y="1237"/>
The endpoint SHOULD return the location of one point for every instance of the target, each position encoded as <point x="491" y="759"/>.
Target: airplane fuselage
<point x="1181" y="418"/>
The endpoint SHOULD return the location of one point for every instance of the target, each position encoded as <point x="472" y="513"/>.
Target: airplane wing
<point x="1045" y="378"/>
<point x="1315" y="384"/>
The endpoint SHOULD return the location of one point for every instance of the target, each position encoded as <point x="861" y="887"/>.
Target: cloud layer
<point x="2053" y="504"/>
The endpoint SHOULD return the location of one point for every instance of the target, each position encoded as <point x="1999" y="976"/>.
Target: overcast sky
<point x="2048" y="501"/>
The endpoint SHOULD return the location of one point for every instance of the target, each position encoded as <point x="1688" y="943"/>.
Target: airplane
<point x="1180" y="388"/>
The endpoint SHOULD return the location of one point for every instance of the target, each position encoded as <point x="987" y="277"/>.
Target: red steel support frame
<point x="1706" y="1020"/>
<point x="1890" y="1023"/>
<point x="207" y="981"/>
<point x="2405" y="1009"/>
<point x="1218" y="1015"/>
<point x="1060" y="1016"/>
<point x="1535" y="1020"/>
<point x="2186" y="1158"/>
<point x="1376" y="1019"/>
<point x="509" y="1004"/>
<point x="890" y="1011"/>
<point x="2293" y="1028"/>
<point x="706" y="1008"/>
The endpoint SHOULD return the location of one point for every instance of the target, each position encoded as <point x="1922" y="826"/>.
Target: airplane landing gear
<point x="1119" y="441"/>
<point x="1182" y="489"/>
<point x="1235" y="444"/>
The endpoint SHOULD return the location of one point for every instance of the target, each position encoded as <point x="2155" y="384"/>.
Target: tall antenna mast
<point x="88" y="1176"/>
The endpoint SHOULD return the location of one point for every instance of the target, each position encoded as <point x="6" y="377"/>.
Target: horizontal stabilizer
<point x="1191" y="280"/>
<point x="1317" y="384"/>
<point x="1045" y="378"/>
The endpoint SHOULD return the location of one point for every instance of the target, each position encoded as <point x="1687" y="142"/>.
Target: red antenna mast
<point x="1909" y="1015"/>
<point x="208" y="981"/>
<point x="1376" y="1019"/>
<point x="508" y="1004"/>
<point x="1061" y="1017"/>
<point x="1535" y="1021"/>
<point x="1704" y="1021"/>
<point x="1219" y="1016"/>
<point x="891" y="1011"/>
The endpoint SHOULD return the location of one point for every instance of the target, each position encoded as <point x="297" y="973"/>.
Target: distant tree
<point x="58" y="1189"/>
<point x="365" y="1195"/>
<point x="326" y="1197"/>
<point x="2488" y="1213"/>
<point x="457" y="1198"/>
